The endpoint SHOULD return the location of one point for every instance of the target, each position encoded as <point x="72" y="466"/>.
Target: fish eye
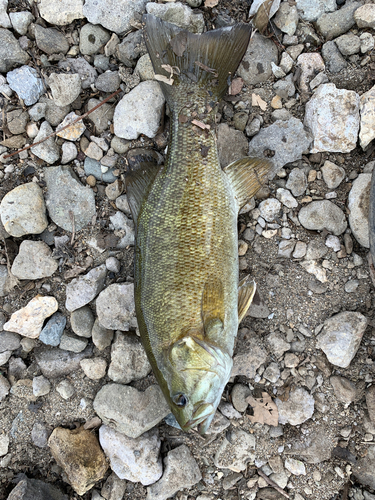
<point x="180" y="400"/>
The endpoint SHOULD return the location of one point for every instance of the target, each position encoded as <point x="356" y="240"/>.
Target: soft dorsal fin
<point x="213" y="301"/>
<point x="246" y="291"/>
<point x="248" y="175"/>
<point x="142" y="168"/>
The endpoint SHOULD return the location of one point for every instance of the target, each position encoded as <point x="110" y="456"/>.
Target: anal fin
<point x="142" y="168"/>
<point x="246" y="292"/>
<point x="248" y="175"/>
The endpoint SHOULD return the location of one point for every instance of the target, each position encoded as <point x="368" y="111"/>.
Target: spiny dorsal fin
<point x="248" y="175"/>
<point x="142" y="168"/>
<point x="207" y="60"/>
<point x="246" y="291"/>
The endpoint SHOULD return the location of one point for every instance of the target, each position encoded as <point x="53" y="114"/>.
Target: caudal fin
<point x="208" y="60"/>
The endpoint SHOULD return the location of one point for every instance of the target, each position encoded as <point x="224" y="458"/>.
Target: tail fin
<point x="208" y="60"/>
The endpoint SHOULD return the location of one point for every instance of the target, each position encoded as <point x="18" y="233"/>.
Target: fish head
<point x="199" y="373"/>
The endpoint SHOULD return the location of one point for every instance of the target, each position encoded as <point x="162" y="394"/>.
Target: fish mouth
<point x="202" y="416"/>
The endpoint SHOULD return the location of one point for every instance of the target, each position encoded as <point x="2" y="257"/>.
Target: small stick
<point x="71" y="215"/>
<point x="66" y="126"/>
<point x="273" y="484"/>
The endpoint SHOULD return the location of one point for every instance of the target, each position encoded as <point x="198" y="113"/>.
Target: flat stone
<point x="255" y="66"/>
<point x="56" y="363"/>
<point x="47" y="150"/>
<point x="68" y="200"/>
<point x="53" y="114"/>
<point x="364" y="16"/>
<point x="65" y="88"/>
<point x="311" y="10"/>
<point x="231" y="144"/>
<point x="101" y="117"/>
<point x="40" y="435"/>
<point x="50" y="41"/>
<point x="286" y="198"/>
<point x="180" y="471"/>
<point x="101" y="337"/>
<point x="86" y="73"/>
<point x="286" y="18"/>
<point x="296" y="467"/>
<point x="358" y="203"/>
<point x="336" y="23"/>
<point x="92" y="38"/>
<point x="236" y="453"/>
<point x="108" y="81"/>
<point x="9" y="341"/>
<point x="139" y="111"/>
<point x="82" y="321"/>
<point x="41" y="386"/>
<point x="312" y="267"/>
<point x="179" y="14"/>
<point x="144" y="68"/>
<point x="34" y="261"/>
<point x="73" y="343"/>
<point x="129" y="50"/>
<point x="324" y="214"/>
<point x="333" y="174"/>
<point x="69" y="152"/>
<point x="11" y="53"/>
<point x="277" y="344"/>
<point x="251" y="357"/>
<point x="29" y="320"/>
<point x="348" y="44"/>
<point x="118" y="16"/>
<point x="367" y="114"/>
<point x="16" y="121"/>
<point x="32" y="489"/>
<point x="62" y="13"/>
<point x="270" y="209"/>
<point x="129" y="411"/>
<point x="311" y="64"/>
<point x="65" y="389"/>
<point x="115" y="307"/>
<point x="72" y="133"/>
<point x="79" y="454"/>
<point x="345" y="390"/>
<point x="4" y="18"/>
<point x="93" y="167"/>
<point x="128" y="359"/>
<point x="288" y="140"/>
<point x="80" y="291"/>
<point x="4" y="387"/>
<point x="26" y="82"/>
<point x="94" y="368"/>
<point x="136" y="460"/>
<point x="297" y="409"/>
<point x="297" y="182"/>
<point x="364" y="469"/>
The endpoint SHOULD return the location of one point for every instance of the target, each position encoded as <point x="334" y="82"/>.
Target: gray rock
<point x="16" y="121"/>
<point x="286" y="18"/>
<point x="180" y="471"/>
<point x="72" y="343"/>
<point x="68" y="200"/>
<point x="311" y="64"/>
<point x="258" y="308"/>
<point x="86" y="72"/>
<point x="34" y="261"/>
<point x="47" y="150"/>
<point x="32" y="489"/>
<point x="101" y="61"/>
<point x="179" y="14"/>
<point x="41" y="386"/>
<point x="272" y="373"/>
<point x="53" y="330"/>
<point x="139" y="111"/>
<point x="124" y="226"/>
<point x="136" y="460"/>
<point x="319" y="215"/>
<point x="238" y="396"/>
<point x="285" y="88"/>
<point x="286" y="197"/>
<point x="21" y="21"/>
<point x="297" y="182"/>
<point x="4" y="18"/>
<point x="65" y="389"/>
<point x="367" y="42"/>
<point x="333" y="174"/>
<point x="358" y="203"/>
<point x="101" y="337"/>
<point x="117" y="16"/>
<point x="54" y="114"/>
<point x="297" y="409"/>
<point x="129" y="411"/>
<point x="246" y="362"/>
<point x="228" y="410"/>
<point x="69" y="152"/>
<point x="58" y="363"/>
<point x="80" y="291"/>
<point x="101" y="117"/>
<point x="332" y="56"/>
<point x="108" y="81"/>
<point x="5" y="281"/>
<point x="311" y="10"/>
<point x="364" y="469"/>
<point x="9" y="341"/>
<point x="270" y="209"/>
<point x="287" y="139"/>
<point x="26" y="82"/>
<point x="339" y="22"/>
<point x="341" y="337"/>
<point x="4" y="387"/>
<point x="94" y="368"/>
<point x="364" y="16"/>
<point x="93" y="167"/>
<point x="65" y="88"/>
<point x="277" y="344"/>
<point x="144" y="68"/>
<point x="82" y="321"/>
<point x="113" y="489"/>
<point x="231" y="144"/>
<point x="62" y="13"/>
<point x="11" y="53"/>
<point x="255" y="66"/>
<point x="252" y="128"/>
<point x="348" y="44"/>
<point x="50" y="41"/>
<point x="236" y="452"/>
<point x="316" y="249"/>
<point x="113" y="265"/>
<point x="367" y="132"/>
<point x="345" y="390"/>
<point x="92" y="38"/>
<point x="115" y="307"/>
<point x="38" y="111"/>
<point x="39" y="435"/>
<point x="286" y="248"/>
<point x="131" y="48"/>
<point x="128" y="359"/>
<point x="22" y="210"/>
<point x="370" y="402"/>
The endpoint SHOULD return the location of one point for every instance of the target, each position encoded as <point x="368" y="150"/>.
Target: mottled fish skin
<point x="186" y="257"/>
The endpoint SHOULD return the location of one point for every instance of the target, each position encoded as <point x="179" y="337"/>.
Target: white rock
<point x="367" y="42"/>
<point x="115" y="307"/>
<point x="139" y="111"/>
<point x="115" y="15"/>
<point x="60" y="12"/>
<point x="136" y="460"/>
<point x="269" y="209"/>
<point x="69" y="152"/>
<point x="367" y="111"/>
<point x="324" y="214"/>
<point x="128" y="359"/>
<point x="358" y="203"/>
<point x="4" y="444"/>
<point x="296" y="467"/>
<point x="311" y="10"/>
<point x="257" y="3"/>
<point x="298" y="408"/>
<point x="21" y="21"/>
<point x="94" y="368"/>
<point x="311" y="63"/>
<point x="286" y="198"/>
<point x="333" y="242"/>
<point x="65" y="88"/>
<point x="312" y="267"/>
<point x="34" y="261"/>
<point x="332" y="115"/>
<point x="47" y="150"/>
<point x="365" y="16"/>
<point x="179" y="14"/>
<point x="4" y="18"/>
<point x="332" y="174"/>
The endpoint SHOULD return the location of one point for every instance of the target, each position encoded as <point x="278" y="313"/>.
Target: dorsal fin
<point x="248" y="175"/>
<point x="142" y="168"/>
<point x="246" y="291"/>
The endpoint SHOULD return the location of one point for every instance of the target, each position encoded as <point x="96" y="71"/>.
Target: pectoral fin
<point x="213" y="301"/>
<point x="246" y="291"/>
<point x="142" y="168"/>
<point x="248" y="175"/>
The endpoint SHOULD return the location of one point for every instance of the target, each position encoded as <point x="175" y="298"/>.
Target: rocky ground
<point x="81" y="415"/>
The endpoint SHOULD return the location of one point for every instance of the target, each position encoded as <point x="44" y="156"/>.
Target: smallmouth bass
<point x="188" y="298"/>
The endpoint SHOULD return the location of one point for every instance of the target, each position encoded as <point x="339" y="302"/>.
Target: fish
<point x="188" y="297"/>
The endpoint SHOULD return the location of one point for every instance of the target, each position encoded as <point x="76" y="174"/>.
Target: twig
<point x="66" y="126"/>
<point x="71" y="215"/>
<point x="273" y="484"/>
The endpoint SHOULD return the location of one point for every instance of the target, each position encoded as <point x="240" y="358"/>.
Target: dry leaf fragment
<point x="236" y="86"/>
<point x="256" y="100"/>
<point x="211" y="3"/>
<point x="265" y="410"/>
<point x="200" y="124"/>
<point x="164" y="79"/>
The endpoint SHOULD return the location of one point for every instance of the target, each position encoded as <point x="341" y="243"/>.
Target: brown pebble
<point x="91" y="181"/>
<point x="315" y="157"/>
